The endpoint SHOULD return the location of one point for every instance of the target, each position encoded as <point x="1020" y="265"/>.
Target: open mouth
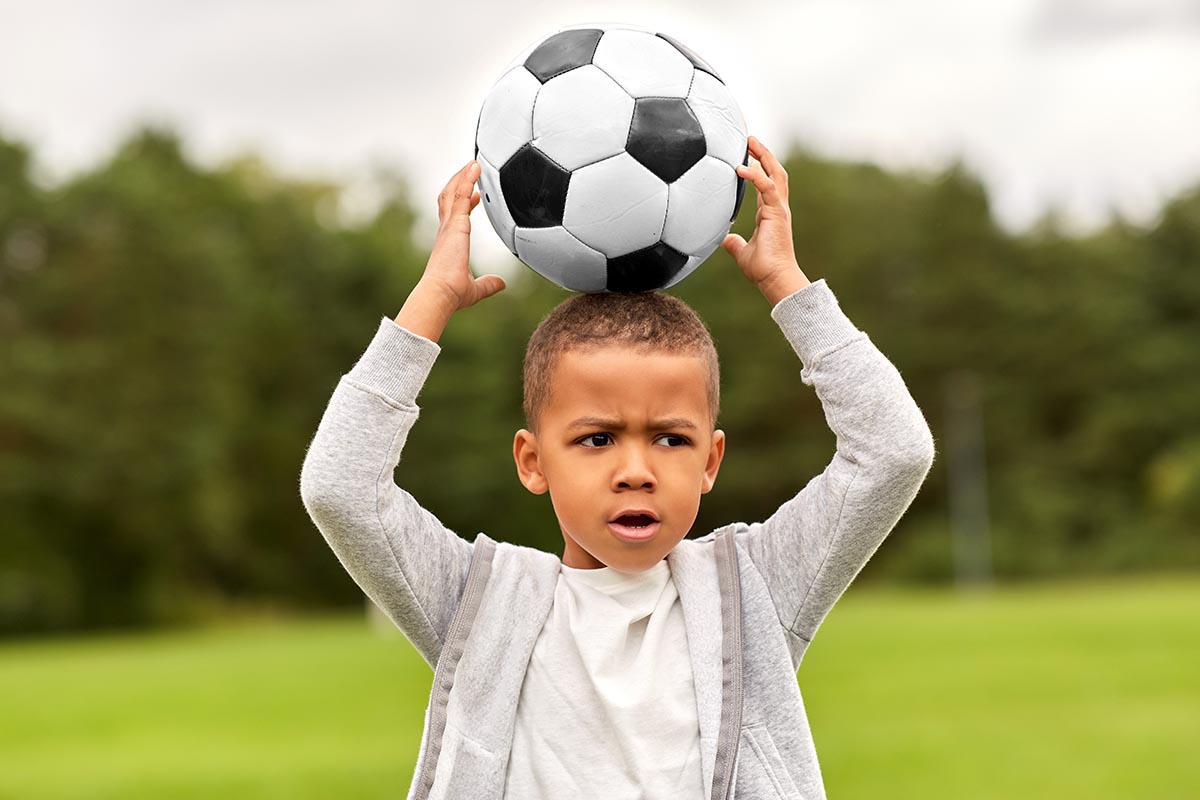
<point x="634" y="527"/>
<point x="635" y="520"/>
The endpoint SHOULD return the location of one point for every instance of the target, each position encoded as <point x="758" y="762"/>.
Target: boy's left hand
<point x="770" y="256"/>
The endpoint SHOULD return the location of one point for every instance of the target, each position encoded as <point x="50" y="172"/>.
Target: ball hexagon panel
<point x="557" y="255"/>
<point x="493" y="202"/>
<point x="720" y="118"/>
<point x="697" y="62"/>
<point x="645" y="269"/>
<point x="585" y="93"/>
<point x="698" y="258"/>
<point x="600" y="26"/>
<point x="535" y="188"/>
<point x="506" y="119"/>
<point x="643" y="64"/>
<point x="699" y="203"/>
<point x="563" y="52"/>
<point x="616" y="206"/>
<point x="665" y="137"/>
<point x="741" y="187"/>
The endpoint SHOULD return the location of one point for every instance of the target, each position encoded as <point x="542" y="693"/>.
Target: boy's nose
<point x="634" y="472"/>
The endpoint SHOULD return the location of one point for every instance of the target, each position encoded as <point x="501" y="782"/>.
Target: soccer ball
<point x="608" y="158"/>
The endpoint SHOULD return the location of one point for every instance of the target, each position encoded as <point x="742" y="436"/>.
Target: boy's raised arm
<point x="401" y="555"/>
<point x="814" y="545"/>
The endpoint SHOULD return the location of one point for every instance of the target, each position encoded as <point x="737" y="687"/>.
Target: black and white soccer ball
<point x="608" y="158"/>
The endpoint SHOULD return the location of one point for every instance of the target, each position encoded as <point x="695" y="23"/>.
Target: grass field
<point x="1064" y="691"/>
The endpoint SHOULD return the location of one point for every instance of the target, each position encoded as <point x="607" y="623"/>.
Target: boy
<point x="642" y="664"/>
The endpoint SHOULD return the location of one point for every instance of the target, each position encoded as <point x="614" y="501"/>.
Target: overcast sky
<point x="1088" y="105"/>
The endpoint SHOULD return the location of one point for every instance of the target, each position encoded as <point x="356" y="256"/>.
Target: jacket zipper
<point x="729" y="578"/>
<point x="447" y="663"/>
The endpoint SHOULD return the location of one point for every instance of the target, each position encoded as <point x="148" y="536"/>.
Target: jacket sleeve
<point x="814" y="545"/>
<point x="407" y="562"/>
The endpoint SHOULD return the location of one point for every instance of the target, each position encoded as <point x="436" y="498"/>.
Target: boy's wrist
<point x="782" y="284"/>
<point x="426" y="312"/>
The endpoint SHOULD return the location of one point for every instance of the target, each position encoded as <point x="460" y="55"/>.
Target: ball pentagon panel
<point x="665" y="137"/>
<point x="646" y="269"/>
<point x="534" y="188"/>
<point x="563" y="52"/>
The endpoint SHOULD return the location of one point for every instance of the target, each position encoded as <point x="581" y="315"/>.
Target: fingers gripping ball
<point x="608" y="159"/>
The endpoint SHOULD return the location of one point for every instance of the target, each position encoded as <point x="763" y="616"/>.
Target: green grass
<point x="1065" y="691"/>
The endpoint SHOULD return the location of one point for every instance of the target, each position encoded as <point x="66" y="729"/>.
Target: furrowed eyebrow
<point x="612" y="424"/>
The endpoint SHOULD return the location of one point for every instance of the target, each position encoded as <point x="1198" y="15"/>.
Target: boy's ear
<point x="715" y="454"/>
<point x="529" y="470"/>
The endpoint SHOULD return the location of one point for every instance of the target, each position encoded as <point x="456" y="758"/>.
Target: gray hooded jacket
<point x="752" y="595"/>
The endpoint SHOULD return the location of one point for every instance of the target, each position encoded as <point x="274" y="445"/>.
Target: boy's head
<point x="622" y="393"/>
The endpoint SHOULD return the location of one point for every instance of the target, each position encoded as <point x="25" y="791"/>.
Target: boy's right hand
<point x="447" y="272"/>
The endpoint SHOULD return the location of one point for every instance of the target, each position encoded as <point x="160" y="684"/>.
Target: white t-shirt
<point x="608" y="707"/>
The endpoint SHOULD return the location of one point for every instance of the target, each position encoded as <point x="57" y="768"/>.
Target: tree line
<point x="172" y="333"/>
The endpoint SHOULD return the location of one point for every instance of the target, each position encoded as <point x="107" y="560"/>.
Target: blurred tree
<point x="172" y="334"/>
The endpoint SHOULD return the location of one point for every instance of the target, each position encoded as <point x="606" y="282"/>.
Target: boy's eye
<point x="584" y="441"/>
<point x="680" y="441"/>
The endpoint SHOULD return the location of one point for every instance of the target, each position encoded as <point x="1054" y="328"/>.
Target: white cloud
<point x="1089" y="106"/>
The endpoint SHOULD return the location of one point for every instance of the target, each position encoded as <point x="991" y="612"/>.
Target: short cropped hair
<point x="647" y="321"/>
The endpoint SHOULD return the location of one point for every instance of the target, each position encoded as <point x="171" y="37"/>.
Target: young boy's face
<point x="623" y="430"/>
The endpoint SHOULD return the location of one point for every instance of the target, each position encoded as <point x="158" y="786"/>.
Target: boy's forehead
<point x="602" y="380"/>
<point x="601" y="359"/>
